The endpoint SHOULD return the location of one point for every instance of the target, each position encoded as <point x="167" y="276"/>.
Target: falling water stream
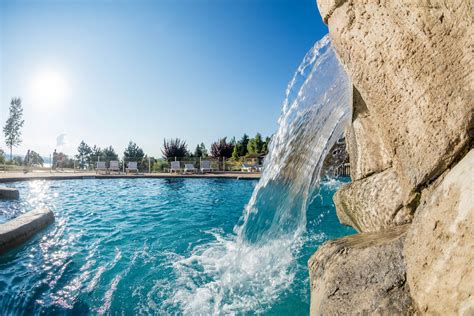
<point x="251" y="268"/>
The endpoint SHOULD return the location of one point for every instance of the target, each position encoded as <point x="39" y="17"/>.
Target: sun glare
<point x="49" y="89"/>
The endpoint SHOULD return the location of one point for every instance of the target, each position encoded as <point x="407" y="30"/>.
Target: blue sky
<point x="113" y="71"/>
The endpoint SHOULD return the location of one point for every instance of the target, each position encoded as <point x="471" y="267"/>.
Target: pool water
<point x="154" y="246"/>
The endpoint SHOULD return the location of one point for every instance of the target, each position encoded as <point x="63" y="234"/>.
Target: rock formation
<point x="439" y="248"/>
<point x="410" y="149"/>
<point x="361" y="274"/>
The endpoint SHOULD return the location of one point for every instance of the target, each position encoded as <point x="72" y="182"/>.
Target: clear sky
<point x="112" y="71"/>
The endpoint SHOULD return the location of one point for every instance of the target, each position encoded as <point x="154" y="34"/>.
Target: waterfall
<point x="247" y="271"/>
<point x="314" y="113"/>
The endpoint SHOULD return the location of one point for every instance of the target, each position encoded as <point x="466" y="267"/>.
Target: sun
<point x="49" y="89"/>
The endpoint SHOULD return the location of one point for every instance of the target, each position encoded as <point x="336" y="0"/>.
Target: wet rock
<point x="373" y="203"/>
<point x="361" y="274"/>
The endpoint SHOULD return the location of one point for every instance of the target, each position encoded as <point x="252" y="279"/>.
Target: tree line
<point x="87" y="156"/>
<point x="174" y="148"/>
<point x="222" y="148"/>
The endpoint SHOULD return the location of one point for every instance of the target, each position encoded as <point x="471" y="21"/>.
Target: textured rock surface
<point x="364" y="142"/>
<point x="412" y="63"/>
<point x="361" y="274"/>
<point x="373" y="203"/>
<point x="439" y="248"/>
<point x="9" y="193"/>
<point x="18" y="230"/>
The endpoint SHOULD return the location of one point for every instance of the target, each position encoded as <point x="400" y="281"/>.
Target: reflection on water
<point x="154" y="247"/>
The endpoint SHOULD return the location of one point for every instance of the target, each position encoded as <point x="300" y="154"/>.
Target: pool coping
<point x="5" y="178"/>
<point x="21" y="229"/>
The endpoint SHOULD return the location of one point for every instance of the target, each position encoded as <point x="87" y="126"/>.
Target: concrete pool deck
<point x="20" y="176"/>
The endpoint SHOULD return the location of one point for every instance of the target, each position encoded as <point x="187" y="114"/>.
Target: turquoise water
<point x="153" y="246"/>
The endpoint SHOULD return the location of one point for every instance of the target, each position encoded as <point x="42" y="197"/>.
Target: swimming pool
<point x="158" y="246"/>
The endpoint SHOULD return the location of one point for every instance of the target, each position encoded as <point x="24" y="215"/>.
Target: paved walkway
<point x="17" y="176"/>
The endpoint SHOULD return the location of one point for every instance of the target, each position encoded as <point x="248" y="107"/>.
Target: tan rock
<point x="373" y="203"/>
<point x="9" y="193"/>
<point x="439" y="248"/>
<point x="19" y="230"/>
<point x="362" y="274"/>
<point x="412" y="62"/>
<point x="368" y="154"/>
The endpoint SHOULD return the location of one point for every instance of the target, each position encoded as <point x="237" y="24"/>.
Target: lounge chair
<point x="247" y="168"/>
<point x="189" y="167"/>
<point x="114" y="166"/>
<point x="132" y="166"/>
<point x="100" y="166"/>
<point x="175" y="166"/>
<point x="206" y="166"/>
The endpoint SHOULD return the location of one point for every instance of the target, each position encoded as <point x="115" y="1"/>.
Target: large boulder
<point x="367" y="151"/>
<point x="363" y="274"/>
<point x="373" y="203"/>
<point x="412" y="63"/>
<point x="439" y="248"/>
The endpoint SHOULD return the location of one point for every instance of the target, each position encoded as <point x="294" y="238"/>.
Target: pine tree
<point x="13" y="125"/>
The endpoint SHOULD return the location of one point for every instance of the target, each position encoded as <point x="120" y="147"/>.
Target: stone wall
<point x="409" y="143"/>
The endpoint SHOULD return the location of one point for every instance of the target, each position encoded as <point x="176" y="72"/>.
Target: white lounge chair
<point x="189" y="167"/>
<point x="100" y="166"/>
<point x="175" y="166"/>
<point x="247" y="168"/>
<point x="206" y="166"/>
<point x="132" y="166"/>
<point x="114" y="166"/>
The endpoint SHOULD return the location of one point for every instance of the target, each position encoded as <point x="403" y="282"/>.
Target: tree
<point x="255" y="145"/>
<point x="13" y="125"/>
<point x="109" y="154"/>
<point x="83" y="154"/>
<point x="266" y="145"/>
<point x="242" y="145"/>
<point x="174" y="148"/>
<point x="33" y="159"/>
<point x="17" y="161"/>
<point x="95" y="155"/>
<point x="235" y="152"/>
<point x="133" y="153"/>
<point x="198" y="152"/>
<point x="204" y="151"/>
<point x="222" y="148"/>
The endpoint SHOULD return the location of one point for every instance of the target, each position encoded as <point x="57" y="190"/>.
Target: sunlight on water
<point x="251" y="269"/>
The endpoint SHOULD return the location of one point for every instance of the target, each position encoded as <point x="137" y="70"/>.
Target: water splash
<point x="247" y="271"/>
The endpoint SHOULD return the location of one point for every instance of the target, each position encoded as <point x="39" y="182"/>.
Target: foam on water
<point x="249" y="270"/>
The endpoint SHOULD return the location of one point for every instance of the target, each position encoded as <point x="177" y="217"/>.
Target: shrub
<point x="174" y="148"/>
<point x="222" y="149"/>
